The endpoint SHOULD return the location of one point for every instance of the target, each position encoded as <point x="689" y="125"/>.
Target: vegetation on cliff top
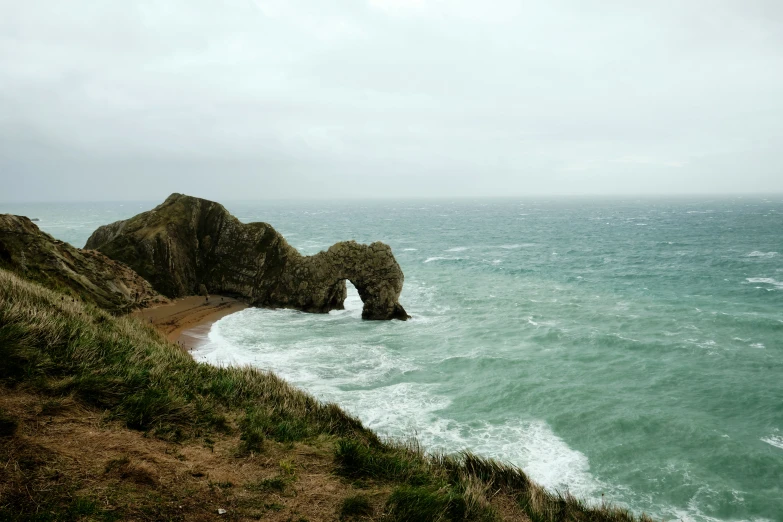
<point x="169" y="438"/>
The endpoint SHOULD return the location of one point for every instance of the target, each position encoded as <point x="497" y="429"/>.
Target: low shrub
<point x="382" y="462"/>
<point x="357" y="506"/>
<point x="426" y="504"/>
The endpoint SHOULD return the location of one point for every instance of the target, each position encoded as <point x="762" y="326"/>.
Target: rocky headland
<point x="87" y="274"/>
<point x="188" y="246"/>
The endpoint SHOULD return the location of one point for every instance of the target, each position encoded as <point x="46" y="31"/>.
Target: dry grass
<point x="67" y="347"/>
<point x="76" y="465"/>
<point x="169" y="438"/>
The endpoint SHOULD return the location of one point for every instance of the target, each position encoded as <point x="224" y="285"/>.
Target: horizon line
<point x="677" y="195"/>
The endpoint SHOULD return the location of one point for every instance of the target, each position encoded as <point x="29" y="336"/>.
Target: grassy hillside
<point x="102" y="419"/>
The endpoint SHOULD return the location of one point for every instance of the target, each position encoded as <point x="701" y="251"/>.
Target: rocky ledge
<point x="187" y="245"/>
<point x="89" y="275"/>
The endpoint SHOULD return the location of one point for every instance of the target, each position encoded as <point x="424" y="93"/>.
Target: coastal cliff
<point x="188" y="244"/>
<point x="90" y="275"/>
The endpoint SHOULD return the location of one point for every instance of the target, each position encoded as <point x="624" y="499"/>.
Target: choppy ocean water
<point x="630" y="348"/>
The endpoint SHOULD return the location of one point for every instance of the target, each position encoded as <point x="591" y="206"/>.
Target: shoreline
<point x="185" y="321"/>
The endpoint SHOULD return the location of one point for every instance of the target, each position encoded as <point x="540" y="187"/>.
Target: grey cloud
<point x="105" y="100"/>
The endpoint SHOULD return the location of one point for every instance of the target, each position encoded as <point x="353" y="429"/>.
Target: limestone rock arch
<point x="372" y="269"/>
<point x="186" y="242"/>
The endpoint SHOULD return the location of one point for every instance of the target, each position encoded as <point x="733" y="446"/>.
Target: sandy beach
<point x="186" y="321"/>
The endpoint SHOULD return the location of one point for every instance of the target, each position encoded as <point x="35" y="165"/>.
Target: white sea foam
<point x="529" y="444"/>
<point x="756" y="253"/>
<point x="319" y="367"/>
<point x="694" y="514"/>
<point x="626" y="338"/>
<point x="354" y="374"/>
<point x="471" y="355"/>
<point x="412" y="409"/>
<point x="409" y="249"/>
<point x="457" y="249"/>
<point x="704" y="495"/>
<point x="767" y="281"/>
<point x="399" y="410"/>
<point x="774" y="440"/>
<point x="516" y="246"/>
<point x="442" y="258"/>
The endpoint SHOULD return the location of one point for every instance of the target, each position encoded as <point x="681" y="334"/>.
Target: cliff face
<point x="92" y="276"/>
<point x="187" y="242"/>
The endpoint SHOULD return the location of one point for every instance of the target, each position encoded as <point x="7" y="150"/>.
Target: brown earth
<point x="64" y="446"/>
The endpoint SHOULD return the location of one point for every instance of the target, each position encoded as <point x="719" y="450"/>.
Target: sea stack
<point x="187" y="242"/>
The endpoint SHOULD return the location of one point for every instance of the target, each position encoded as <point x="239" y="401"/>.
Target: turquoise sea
<point x="630" y="349"/>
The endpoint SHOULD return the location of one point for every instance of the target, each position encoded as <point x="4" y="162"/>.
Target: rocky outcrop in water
<point x="89" y="275"/>
<point x="187" y="242"/>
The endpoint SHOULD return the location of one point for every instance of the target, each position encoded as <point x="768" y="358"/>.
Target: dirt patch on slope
<point x="66" y="458"/>
<point x="63" y="449"/>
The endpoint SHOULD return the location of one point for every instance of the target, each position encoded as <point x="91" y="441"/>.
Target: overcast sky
<point x="258" y="99"/>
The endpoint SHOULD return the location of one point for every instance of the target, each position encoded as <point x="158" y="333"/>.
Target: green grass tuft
<point x="421" y="504"/>
<point x="252" y="432"/>
<point x="271" y="484"/>
<point x="381" y="462"/>
<point x="276" y="424"/>
<point x="357" y="506"/>
<point x="538" y="503"/>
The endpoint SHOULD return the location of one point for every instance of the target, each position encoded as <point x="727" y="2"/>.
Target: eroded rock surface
<point x="186" y="242"/>
<point x="90" y="275"/>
